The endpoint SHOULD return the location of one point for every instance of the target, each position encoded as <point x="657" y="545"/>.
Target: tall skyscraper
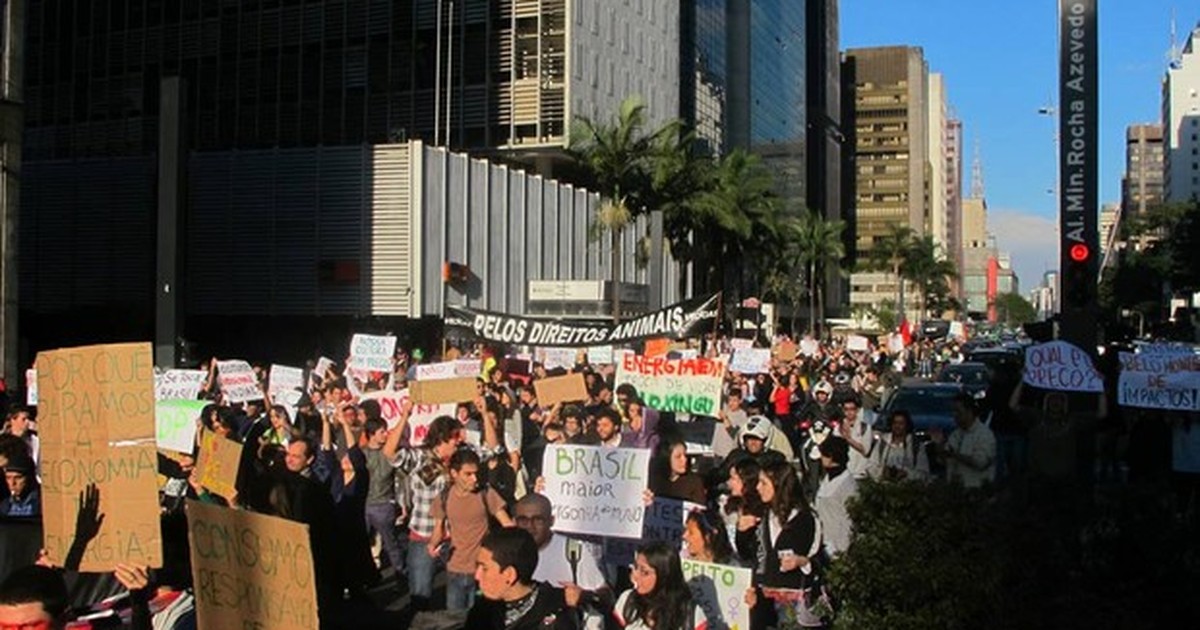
<point x="892" y="154"/>
<point x="1142" y="185"/>
<point x="936" y="216"/>
<point x="1181" y="123"/>
<point x="954" y="205"/>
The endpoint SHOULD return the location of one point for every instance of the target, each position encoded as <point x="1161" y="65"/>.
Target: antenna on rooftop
<point x="1175" y="53"/>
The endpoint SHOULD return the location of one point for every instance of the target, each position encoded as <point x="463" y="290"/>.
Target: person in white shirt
<point x="970" y="451"/>
<point x="837" y="486"/>
<point x="858" y="435"/>
<point x="899" y="455"/>
<point x="565" y="562"/>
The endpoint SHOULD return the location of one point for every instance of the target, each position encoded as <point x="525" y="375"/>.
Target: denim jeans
<point x="460" y="591"/>
<point x="421" y="567"/>
<point x="381" y="517"/>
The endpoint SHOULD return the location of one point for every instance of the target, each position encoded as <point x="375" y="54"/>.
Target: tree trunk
<point x="616" y="274"/>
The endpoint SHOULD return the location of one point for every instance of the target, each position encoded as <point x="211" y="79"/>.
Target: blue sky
<point x="999" y="58"/>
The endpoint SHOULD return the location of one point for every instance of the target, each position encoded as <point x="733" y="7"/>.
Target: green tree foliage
<point x="1014" y="310"/>
<point x="1159" y="258"/>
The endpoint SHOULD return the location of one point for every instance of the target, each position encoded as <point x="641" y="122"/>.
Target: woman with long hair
<point x="744" y="509"/>
<point x="705" y="539"/>
<point x="676" y="480"/>
<point x="660" y="598"/>
<point x="789" y="546"/>
<point x="900" y="455"/>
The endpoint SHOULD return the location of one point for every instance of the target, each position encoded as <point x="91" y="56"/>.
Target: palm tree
<point x="739" y="215"/>
<point x="888" y="254"/>
<point x="819" y="243"/>
<point x="927" y="269"/>
<point x="617" y="156"/>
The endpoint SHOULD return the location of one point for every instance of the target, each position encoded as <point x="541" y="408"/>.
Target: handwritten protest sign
<point x="657" y="347"/>
<point x="600" y="355"/>
<point x="238" y="382"/>
<point x="741" y="344"/>
<point x="250" y="570"/>
<point x="553" y="358"/>
<point x="682" y="385"/>
<point x="317" y="376"/>
<point x="372" y="352"/>
<point x="449" y="390"/>
<point x="858" y="343"/>
<point x="31" y="396"/>
<point x="895" y="343"/>
<point x="596" y="490"/>
<point x="1060" y="366"/>
<point x="751" y="361"/>
<point x="283" y="378"/>
<point x="1169" y="380"/>
<point x="96" y="417"/>
<point x="720" y="591"/>
<point x="462" y="368"/>
<point x="175" y="423"/>
<point x="786" y="350"/>
<point x="664" y="521"/>
<point x="569" y="388"/>
<point x="217" y="463"/>
<point x="179" y="384"/>
<point x="391" y="406"/>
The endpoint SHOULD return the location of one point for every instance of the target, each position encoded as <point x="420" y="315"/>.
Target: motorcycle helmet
<point x="757" y="427"/>
<point x="823" y="386"/>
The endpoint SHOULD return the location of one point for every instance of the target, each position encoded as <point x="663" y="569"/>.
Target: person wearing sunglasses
<point x="570" y="563"/>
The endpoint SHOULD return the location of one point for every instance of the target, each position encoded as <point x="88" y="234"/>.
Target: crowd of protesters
<point x="458" y="524"/>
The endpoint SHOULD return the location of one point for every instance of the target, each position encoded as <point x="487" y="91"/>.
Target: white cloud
<point x="1031" y="239"/>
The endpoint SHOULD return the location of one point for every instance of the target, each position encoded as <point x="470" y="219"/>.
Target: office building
<point x="936" y="219"/>
<point x="1181" y="123"/>
<point x="1142" y="185"/>
<point x="892" y="155"/>
<point x="304" y="86"/>
<point x="954" y="203"/>
<point x="1111" y="215"/>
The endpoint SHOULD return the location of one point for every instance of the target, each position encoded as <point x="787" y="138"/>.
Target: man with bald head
<point x="564" y="561"/>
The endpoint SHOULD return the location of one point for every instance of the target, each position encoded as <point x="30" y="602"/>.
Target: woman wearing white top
<point x="899" y="455"/>
<point x="660" y="598"/>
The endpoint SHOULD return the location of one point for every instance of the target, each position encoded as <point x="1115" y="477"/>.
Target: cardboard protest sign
<point x="657" y="347"/>
<point x="449" y="390"/>
<point x="751" y="361"/>
<point x="596" y="490"/>
<point x="720" y="591"/>
<point x="179" y="384"/>
<point x="238" y="382"/>
<point x="664" y="521"/>
<point x="250" y="570"/>
<point x="1160" y="381"/>
<point x="556" y="389"/>
<point x="683" y="385"/>
<point x="785" y="350"/>
<point x="372" y="352"/>
<point x="857" y="343"/>
<point x="600" y="355"/>
<point x="217" y="464"/>
<point x="96" y="421"/>
<point x="175" y="424"/>
<point x="1060" y="366"/>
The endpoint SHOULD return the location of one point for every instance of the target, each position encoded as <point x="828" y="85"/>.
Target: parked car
<point x="998" y="358"/>
<point x="974" y="377"/>
<point x="930" y="405"/>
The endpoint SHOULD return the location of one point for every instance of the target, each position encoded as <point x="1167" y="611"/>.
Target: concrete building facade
<point x="1181" y="123"/>
<point x="892" y="155"/>
<point x="1142" y="184"/>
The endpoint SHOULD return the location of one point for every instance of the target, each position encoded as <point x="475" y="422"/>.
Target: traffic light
<point x="1079" y="277"/>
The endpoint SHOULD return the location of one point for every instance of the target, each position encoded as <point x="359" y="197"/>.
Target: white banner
<point x="1165" y="380"/>
<point x="751" y="361"/>
<point x="680" y="385"/>
<point x="596" y="490"/>
<point x="1060" y="366"/>
<point x="179" y="384"/>
<point x="720" y="591"/>
<point x="175" y="424"/>
<point x="31" y="394"/>
<point x="238" y="382"/>
<point x="372" y="352"/>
